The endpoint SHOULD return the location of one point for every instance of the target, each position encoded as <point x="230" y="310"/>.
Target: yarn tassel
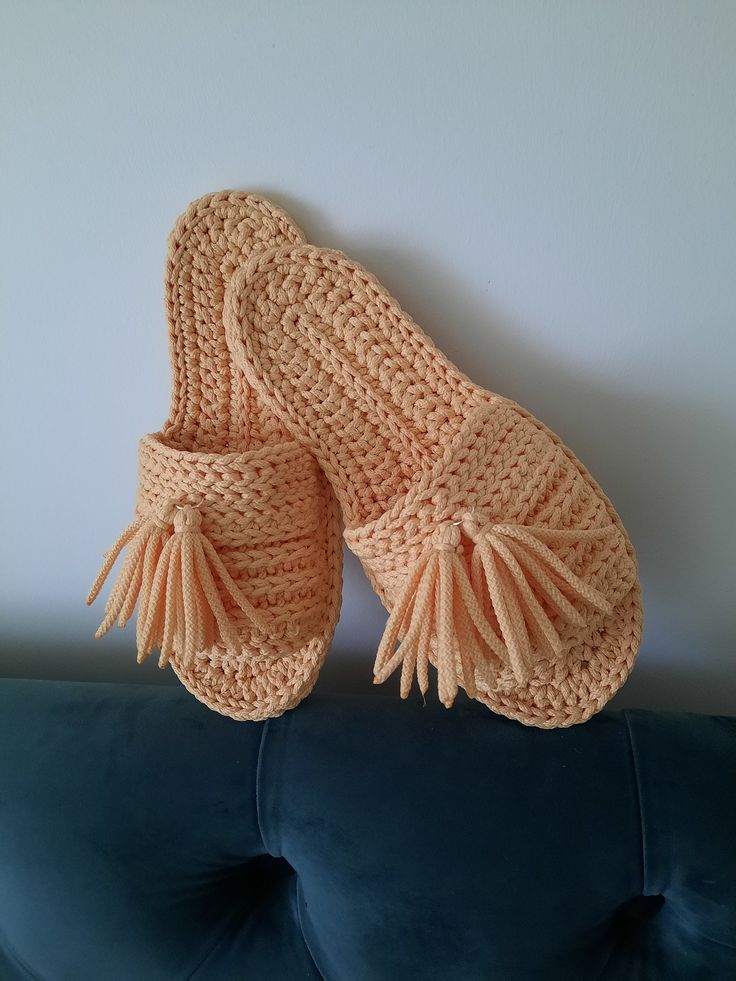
<point x="513" y="569"/>
<point x="175" y="576"/>
<point x="437" y="599"/>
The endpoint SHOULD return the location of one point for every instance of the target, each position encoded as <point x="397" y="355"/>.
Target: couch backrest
<point x="359" y="839"/>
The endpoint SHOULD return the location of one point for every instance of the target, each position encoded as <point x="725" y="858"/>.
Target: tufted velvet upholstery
<point x="143" y="837"/>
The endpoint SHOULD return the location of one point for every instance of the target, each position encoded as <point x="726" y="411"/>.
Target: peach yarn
<point x="501" y="560"/>
<point x="234" y="555"/>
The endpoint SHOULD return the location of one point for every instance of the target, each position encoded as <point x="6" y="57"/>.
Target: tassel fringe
<point x="512" y="572"/>
<point x="175" y="576"/>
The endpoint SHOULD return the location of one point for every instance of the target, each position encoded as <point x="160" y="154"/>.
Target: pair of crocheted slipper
<point x="500" y="559"/>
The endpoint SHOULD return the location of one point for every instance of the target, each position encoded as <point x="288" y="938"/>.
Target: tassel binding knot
<point x="454" y="609"/>
<point x="174" y="574"/>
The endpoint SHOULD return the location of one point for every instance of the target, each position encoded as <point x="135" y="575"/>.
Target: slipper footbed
<point x="213" y="409"/>
<point x="354" y="377"/>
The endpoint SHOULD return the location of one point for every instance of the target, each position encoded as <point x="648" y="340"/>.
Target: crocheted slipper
<point x="501" y="560"/>
<point x="234" y="557"/>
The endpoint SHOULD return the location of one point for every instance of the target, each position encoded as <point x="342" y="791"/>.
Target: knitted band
<point x="264" y="513"/>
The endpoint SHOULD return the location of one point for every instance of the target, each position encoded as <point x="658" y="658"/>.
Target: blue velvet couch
<point x="145" y="838"/>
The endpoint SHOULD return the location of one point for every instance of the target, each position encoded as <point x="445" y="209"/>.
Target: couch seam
<point x="301" y="928"/>
<point x="640" y="807"/>
<point x="259" y="770"/>
<point x="15" y="958"/>
<point x="298" y="890"/>
<point x="208" y="953"/>
<point x="687" y="926"/>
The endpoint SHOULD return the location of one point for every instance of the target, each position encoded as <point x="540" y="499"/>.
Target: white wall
<point x="548" y="187"/>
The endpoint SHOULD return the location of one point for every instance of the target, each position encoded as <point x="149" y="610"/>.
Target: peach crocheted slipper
<point x="501" y="560"/>
<point x="234" y="557"/>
